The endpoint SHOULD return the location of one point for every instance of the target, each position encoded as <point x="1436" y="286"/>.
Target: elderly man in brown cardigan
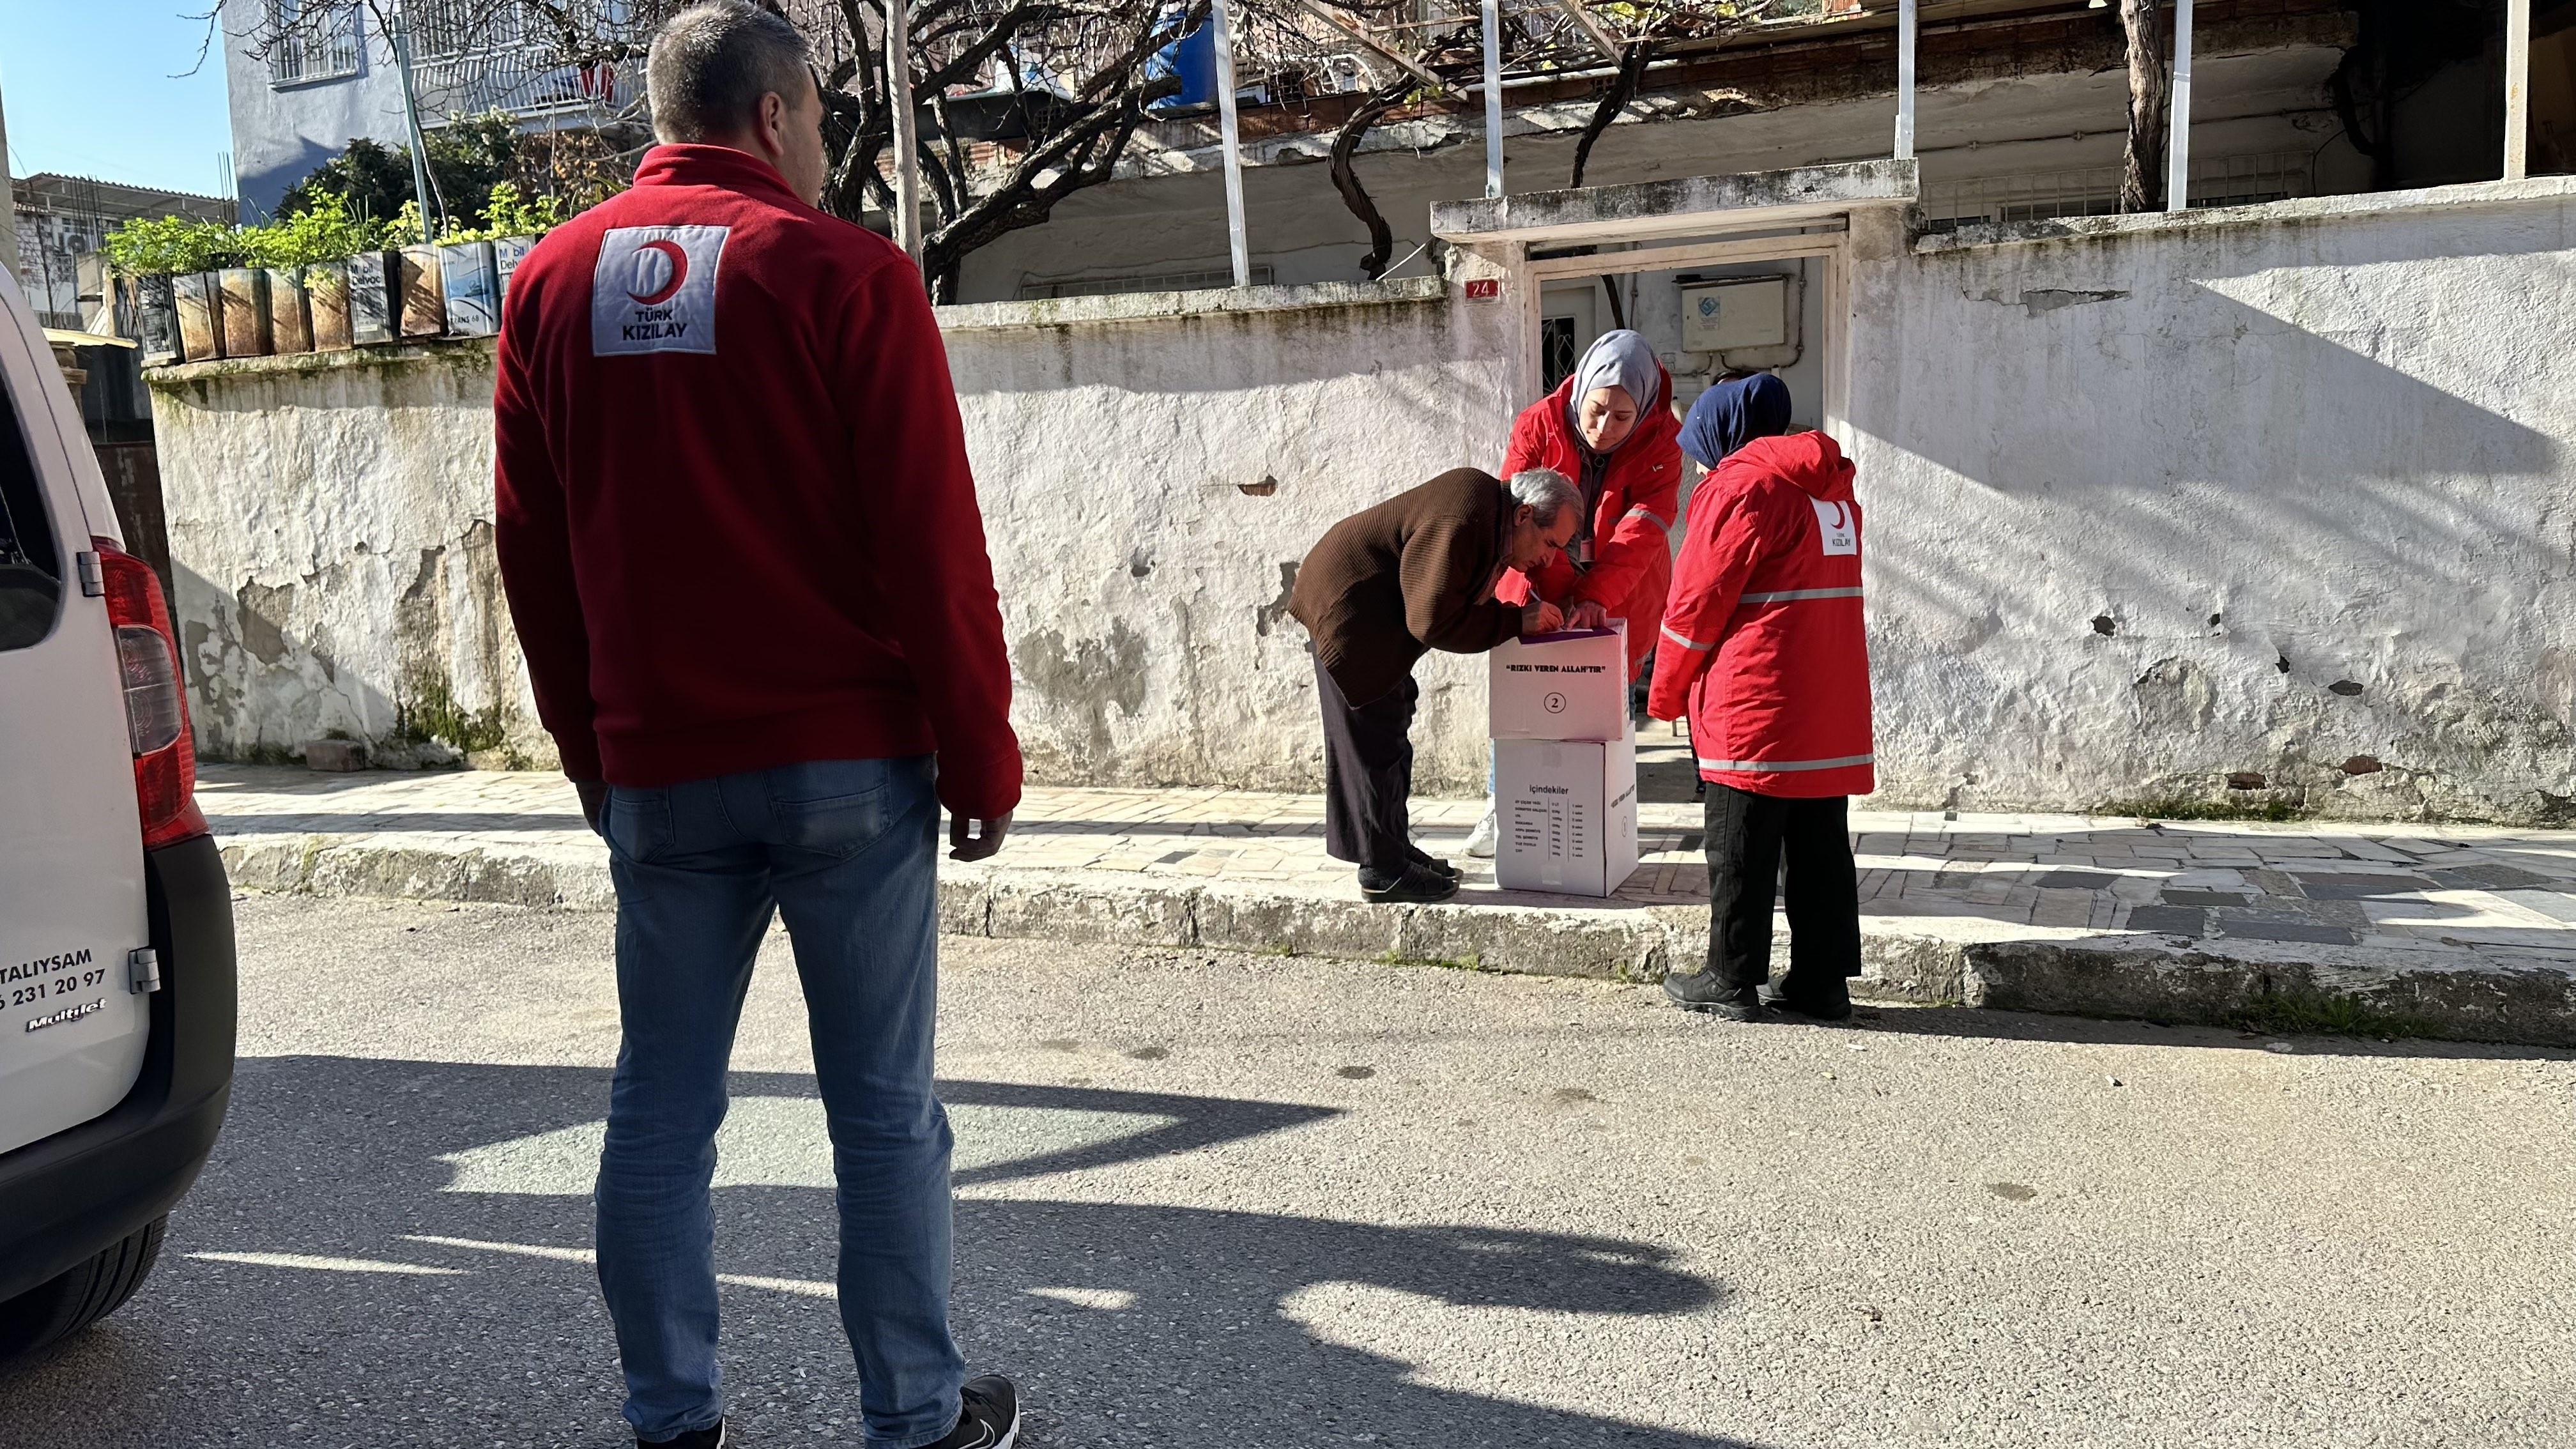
<point x="1383" y="588"/>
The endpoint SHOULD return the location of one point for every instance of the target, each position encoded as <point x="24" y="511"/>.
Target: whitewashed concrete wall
<point x="331" y="541"/>
<point x="1151" y="469"/>
<point x="2262" y="493"/>
<point x="2156" y="505"/>
<point x="1151" y="478"/>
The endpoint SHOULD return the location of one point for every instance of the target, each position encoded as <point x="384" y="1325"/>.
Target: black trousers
<point x="1748" y="836"/>
<point x="1368" y="775"/>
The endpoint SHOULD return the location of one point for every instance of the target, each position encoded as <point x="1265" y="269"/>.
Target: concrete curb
<point x="2521" y="1000"/>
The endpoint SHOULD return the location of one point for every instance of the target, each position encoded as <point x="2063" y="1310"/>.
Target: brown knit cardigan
<point x="1412" y="574"/>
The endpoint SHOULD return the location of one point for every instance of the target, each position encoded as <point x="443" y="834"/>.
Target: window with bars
<point x="316" y="40"/>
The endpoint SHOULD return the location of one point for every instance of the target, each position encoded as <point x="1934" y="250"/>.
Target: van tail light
<point x="156" y="707"/>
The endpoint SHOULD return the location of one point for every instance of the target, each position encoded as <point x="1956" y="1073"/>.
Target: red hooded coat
<point x="1763" y="639"/>
<point x="1632" y="558"/>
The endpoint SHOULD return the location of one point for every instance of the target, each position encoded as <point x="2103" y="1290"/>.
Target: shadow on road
<point x="326" y="1284"/>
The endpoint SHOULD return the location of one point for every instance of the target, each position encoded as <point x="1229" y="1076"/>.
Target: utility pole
<point x="1906" y="28"/>
<point x="2178" y="139"/>
<point x="1238" y="246"/>
<point x="1493" y="98"/>
<point x="8" y="207"/>
<point x="400" y="24"/>
<point x="907" y="144"/>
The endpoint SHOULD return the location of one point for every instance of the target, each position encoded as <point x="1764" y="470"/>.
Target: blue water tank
<point x="1192" y="57"/>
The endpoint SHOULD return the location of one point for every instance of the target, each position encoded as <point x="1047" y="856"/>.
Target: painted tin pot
<point x="156" y="319"/>
<point x="375" y="299"/>
<point x="197" y="298"/>
<point x="290" y="320"/>
<point x="326" y="303"/>
<point x="424" y="303"/>
<point x="468" y="288"/>
<point x="507" y="253"/>
<point x="245" y="311"/>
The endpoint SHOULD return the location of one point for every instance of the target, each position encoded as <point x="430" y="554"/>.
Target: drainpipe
<point x="1905" y="31"/>
<point x="2178" y="139"/>
<point x="1225" y="110"/>
<point x="2517" y="89"/>
<point x="1493" y="98"/>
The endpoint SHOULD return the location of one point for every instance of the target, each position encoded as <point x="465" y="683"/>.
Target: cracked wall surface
<point x="2287" y="501"/>
<point x="331" y="541"/>
<point x="2271" y="508"/>
<point x="1149" y="486"/>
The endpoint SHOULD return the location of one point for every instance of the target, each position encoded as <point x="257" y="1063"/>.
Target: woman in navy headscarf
<point x="1732" y="414"/>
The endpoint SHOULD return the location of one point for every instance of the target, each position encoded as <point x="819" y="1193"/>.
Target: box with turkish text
<point x="1568" y="812"/>
<point x="1565" y="686"/>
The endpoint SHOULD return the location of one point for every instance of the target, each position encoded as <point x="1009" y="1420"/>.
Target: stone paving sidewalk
<point x="2424" y="888"/>
<point x="2050" y="911"/>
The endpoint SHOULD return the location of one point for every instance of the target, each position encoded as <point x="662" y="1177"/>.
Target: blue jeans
<point x="845" y="851"/>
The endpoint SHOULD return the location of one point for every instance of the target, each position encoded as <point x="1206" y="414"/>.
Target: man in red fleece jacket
<point x="744" y="557"/>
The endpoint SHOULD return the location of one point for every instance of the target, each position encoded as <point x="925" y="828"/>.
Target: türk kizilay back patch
<point x="655" y="290"/>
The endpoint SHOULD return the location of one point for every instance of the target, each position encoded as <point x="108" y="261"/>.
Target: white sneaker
<point x="1486" y="838"/>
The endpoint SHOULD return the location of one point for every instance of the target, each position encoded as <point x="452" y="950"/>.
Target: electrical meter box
<point x="1738" y="314"/>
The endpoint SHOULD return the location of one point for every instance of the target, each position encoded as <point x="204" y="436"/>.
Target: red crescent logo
<point x="679" y="273"/>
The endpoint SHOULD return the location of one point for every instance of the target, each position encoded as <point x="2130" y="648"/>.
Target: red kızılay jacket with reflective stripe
<point x="1763" y="644"/>
<point x="1632" y="551"/>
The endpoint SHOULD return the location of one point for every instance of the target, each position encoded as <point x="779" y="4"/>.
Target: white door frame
<point x="1528" y="278"/>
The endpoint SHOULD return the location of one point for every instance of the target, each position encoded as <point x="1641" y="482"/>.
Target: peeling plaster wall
<point x="2287" y="496"/>
<point x="1151" y="469"/>
<point x="331" y="541"/>
<point x="1149" y="488"/>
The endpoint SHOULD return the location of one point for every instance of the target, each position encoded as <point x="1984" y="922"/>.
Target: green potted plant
<point x="174" y="259"/>
<point x="308" y="288"/>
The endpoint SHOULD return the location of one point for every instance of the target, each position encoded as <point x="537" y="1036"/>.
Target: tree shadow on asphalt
<point x="354" y="1297"/>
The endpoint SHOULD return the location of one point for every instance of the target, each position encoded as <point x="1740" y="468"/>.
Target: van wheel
<point x="81" y="1297"/>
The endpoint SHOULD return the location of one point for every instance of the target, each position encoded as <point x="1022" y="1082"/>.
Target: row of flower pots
<point x="451" y="289"/>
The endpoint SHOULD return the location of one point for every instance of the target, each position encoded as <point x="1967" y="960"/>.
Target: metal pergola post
<point x="1236" y="243"/>
<point x="2517" y="89"/>
<point x="1906" y="27"/>
<point x="1493" y="98"/>
<point x="2178" y="136"/>
<point x="907" y="143"/>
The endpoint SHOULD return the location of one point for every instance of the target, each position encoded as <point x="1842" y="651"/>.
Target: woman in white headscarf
<point x="1610" y="427"/>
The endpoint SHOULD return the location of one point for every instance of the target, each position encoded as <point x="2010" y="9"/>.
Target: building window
<point x="316" y="40"/>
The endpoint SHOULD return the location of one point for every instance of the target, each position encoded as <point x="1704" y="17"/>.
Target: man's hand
<point x="1541" y="617"/>
<point x="1588" y="615"/>
<point x="594" y="804"/>
<point x="977" y="839"/>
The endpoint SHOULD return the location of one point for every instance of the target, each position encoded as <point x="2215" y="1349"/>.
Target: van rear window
<point x="31" y="561"/>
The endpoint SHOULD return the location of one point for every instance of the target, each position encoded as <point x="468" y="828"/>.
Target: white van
<point x="116" y="931"/>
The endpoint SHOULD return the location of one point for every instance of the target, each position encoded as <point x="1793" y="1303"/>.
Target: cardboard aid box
<point x="1566" y="686"/>
<point x="1568" y="812"/>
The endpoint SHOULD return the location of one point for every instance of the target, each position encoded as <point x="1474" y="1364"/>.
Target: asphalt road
<point x="1253" y="1201"/>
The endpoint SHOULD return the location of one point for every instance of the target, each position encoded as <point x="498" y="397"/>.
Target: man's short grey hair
<point x="711" y="64"/>
<point x="1547" y="492"/>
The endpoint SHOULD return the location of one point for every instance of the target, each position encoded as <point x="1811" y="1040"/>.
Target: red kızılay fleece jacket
<point x="733" y="510"/>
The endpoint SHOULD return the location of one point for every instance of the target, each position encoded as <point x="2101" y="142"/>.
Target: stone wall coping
<point x="970" y="317"/>
<point x="1162" y="306"/>
<point x="2352" y="206"/>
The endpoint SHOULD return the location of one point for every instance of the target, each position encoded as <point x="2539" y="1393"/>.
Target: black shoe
<point x="989" y="1418"/>
<point x="1430" y="862"/>
<point x="694" y="1439"/>
<point x="1780" y="998"/>
<point x="1419" y="885"/>
<point x="1701" y="991"/>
